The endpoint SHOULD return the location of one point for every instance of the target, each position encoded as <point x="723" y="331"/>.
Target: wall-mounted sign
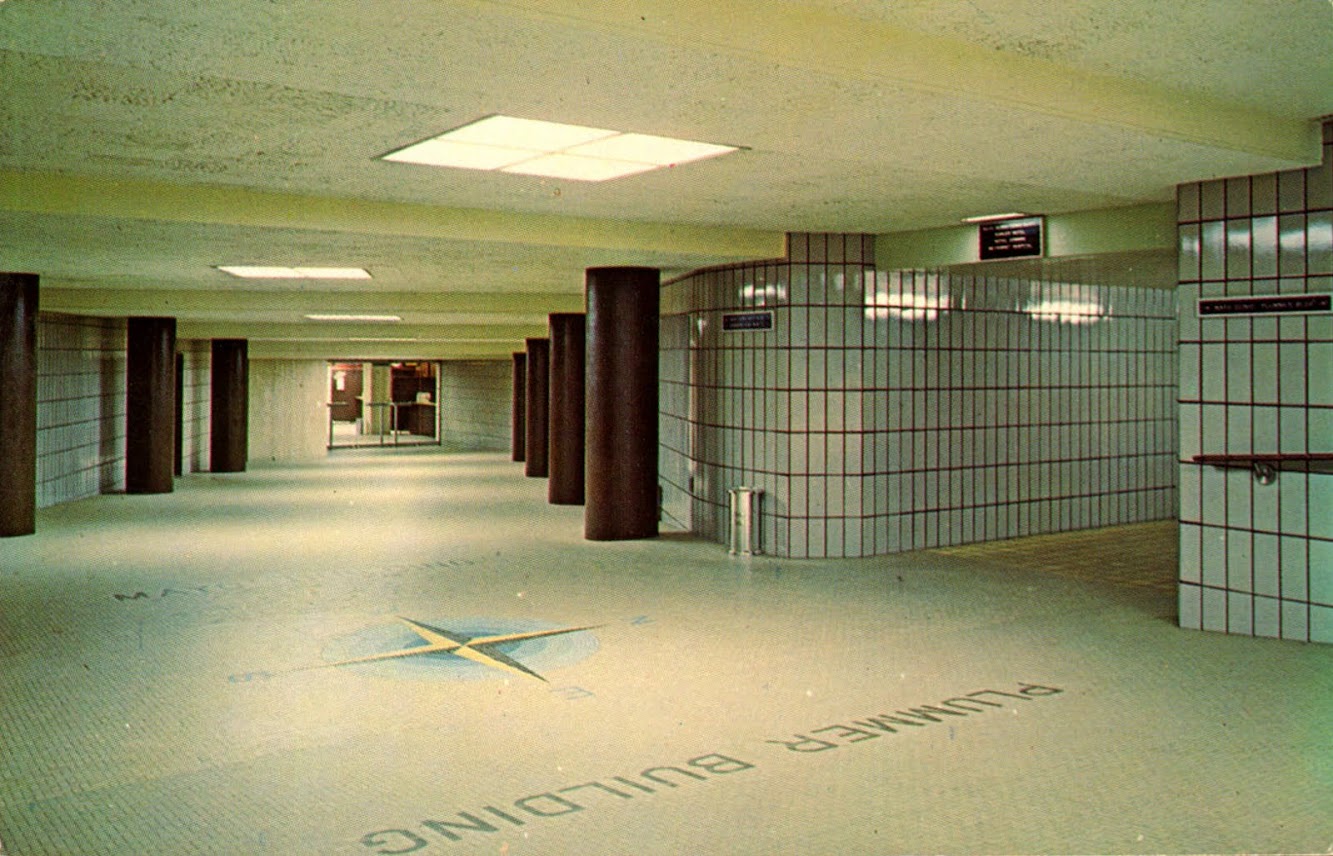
<point x="742" y="321"/>
<point x="1276" y="304"/>
<point x="1020" y="238"/>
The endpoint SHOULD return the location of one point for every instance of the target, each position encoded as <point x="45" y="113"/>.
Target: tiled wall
<point x="890" y="411"/>
<point x="778" y="409"/>
<point x="81" y="363"/>
<point x="197" y="403"/>
<point x="1016" y="407"/>
<point x="676" y="463"/>
<point x="475" y="397"/>
<point x="80" y="407"/>
<point x="1257" y="559"/>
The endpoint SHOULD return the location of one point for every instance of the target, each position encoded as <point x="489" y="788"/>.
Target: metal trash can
<point x="745" y="528"/>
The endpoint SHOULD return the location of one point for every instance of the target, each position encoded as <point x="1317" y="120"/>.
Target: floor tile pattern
<point x="157" y="695"/>
<point x="1138" y="554"/>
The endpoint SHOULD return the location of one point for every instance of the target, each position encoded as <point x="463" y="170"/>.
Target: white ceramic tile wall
<point x="80" y="407"/>
<point x="674" y="464"/>
<point x="197" y="388"/>
<point x="1018" y="407"/>
<point x="887" y="412"/>
<point x="776" y="409"/>
<point x="475" y="397"/>
<point x="1257" y="559"/>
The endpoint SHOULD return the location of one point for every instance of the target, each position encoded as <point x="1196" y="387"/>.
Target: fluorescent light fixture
<point x="354" y="317"/>
<point x="986" y="218"/>
<point x="553" y="150"/>
<point x="272" y="272"/>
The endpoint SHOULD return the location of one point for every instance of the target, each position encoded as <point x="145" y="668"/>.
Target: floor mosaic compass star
<point x="465" y="649"/>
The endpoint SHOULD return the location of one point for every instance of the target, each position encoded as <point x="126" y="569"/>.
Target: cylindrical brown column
<point x="518" y="412"/>
<point x="150" y="405"/>
<point x="566" y="416"/>
<point x="178" y="447"/>
<point x="229" y="416"/>
<point x="621" y="403"/>
<point x="18" y="404"/>
<point x="537" y="410"/>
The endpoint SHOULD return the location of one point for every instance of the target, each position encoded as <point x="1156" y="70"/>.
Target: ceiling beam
<point x="352" y="351"/>
<point x="52" y="193"/>
<point x="187" y="302"/>
<point x="333" y="333"/>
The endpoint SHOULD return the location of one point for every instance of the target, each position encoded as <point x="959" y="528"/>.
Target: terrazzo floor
<point x="409" y="651"/>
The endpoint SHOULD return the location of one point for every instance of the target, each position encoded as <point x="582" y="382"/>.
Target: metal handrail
<point x="386" y="428"/>
<point x="1266" y="465"/>
<point x="1270" y="458"/>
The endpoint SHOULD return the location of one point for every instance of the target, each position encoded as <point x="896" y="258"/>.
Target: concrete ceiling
<point x="144" y="142"/>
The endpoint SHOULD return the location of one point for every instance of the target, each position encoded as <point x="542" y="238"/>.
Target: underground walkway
<point x="412" y="652"/>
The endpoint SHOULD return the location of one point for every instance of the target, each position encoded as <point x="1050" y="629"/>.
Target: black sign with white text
<point x="1276" y="304"/>
<point x="1011" y="239"/>
<point x="739" y="321"/>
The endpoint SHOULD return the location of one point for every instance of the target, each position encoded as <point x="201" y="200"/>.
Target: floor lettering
<point x="572" y="799"/>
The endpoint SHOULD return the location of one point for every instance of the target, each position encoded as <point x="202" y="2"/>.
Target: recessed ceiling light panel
<point x="272" y="272"/>
<point x="260" y="272"/>
<point x="352" y="317"/>
<point x="577" y="168"/>
<point x="333" y="273"/>
<point x="645" y="148"/>
<point x="440" y="152"/>
<point x="553" y="150"/>
<point x="527" y="134"/>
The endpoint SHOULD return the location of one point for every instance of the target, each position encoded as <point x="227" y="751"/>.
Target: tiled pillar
<point x="537" y="409"/>
<point x="150" y="405"/>
<point x="1256" y="555"/>
<point x="568" y="337"/>
<point x="518" y="413"/>
<point x="230" y="412"/>
<point x="18" y="404"/>
<point x="621" y="469"/>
